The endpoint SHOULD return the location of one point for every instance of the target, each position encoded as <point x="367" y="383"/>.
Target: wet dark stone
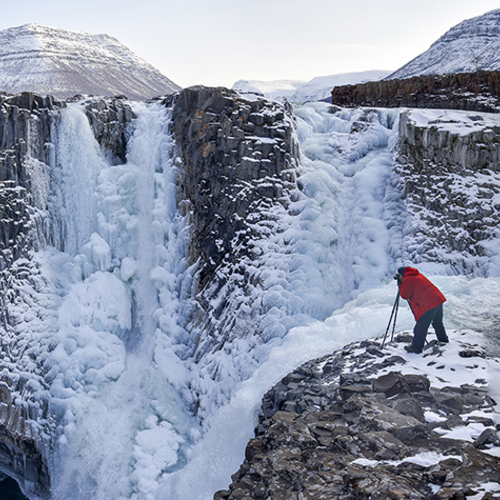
<point x="10" y="490"/>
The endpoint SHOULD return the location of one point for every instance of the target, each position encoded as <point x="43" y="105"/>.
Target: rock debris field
<point x="372" y="423"/>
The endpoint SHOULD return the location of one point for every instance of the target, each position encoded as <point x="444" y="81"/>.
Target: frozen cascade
<point x="329" y="244"/>
<point x="335" y="245"/>
<point x="117" y="373"/>
<point x="349" y="182"/>
<point x="119" y="276"/>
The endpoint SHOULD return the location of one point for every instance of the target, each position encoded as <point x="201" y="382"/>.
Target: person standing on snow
<point x="426" y="303"/>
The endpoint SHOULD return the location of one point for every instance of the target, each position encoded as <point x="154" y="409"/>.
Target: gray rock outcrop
<point x="25" y="122"/>
<point x="237" y="162"/>
<point x="451" y="185"/>
<point x="352" y="426"/>
<point x="110" y="119"/>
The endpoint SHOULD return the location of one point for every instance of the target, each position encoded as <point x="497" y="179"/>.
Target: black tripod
<point x="394" y="314"/>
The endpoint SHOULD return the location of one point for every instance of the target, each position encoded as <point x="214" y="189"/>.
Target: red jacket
<point x="421" y="293"/>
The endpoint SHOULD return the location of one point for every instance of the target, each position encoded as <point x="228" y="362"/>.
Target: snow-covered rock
<point x="469" y="46"/>
<point x="63" y="63"/>
<point x="377" y="423"/>
<point x="451" y="174"/>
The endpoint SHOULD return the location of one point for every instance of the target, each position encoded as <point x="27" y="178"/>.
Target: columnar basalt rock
<point x="25" y="121"/>
<point x="479" y="91"/>
<point x="110" y="119"/>
<point x="451" y="185"/>
<point x="25" y="149"/>
<point x="237" y="160"/>
<point x="236" y="154"/>
<point x="24" y="131"/>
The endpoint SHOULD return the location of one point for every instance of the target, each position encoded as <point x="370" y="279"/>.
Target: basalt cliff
<point x="478" y="91"/>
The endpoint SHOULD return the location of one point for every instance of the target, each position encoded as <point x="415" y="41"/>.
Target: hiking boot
<point x="410" y="348"/>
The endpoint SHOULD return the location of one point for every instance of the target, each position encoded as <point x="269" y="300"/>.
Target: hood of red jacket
<point x="411" y="271"/>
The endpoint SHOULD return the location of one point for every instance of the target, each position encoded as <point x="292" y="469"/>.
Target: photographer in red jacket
<point x="426" y="302"/>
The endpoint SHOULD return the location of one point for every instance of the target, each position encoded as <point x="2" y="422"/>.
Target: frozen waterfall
<point x="119" y="274"/>
<point x="119" y="370"/>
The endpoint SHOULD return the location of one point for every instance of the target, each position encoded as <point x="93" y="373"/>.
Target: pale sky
<point x="218" y="42"/>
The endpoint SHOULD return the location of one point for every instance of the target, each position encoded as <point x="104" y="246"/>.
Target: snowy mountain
<point x="470" y="46"/>
<point x="317" y="89"/>
<point x="63" y="63"/>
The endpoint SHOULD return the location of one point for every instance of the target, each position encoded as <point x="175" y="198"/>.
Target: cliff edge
<point x="372" y="423"/>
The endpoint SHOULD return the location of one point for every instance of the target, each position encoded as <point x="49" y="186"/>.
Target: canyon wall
<point x="237" y="162"/>
<point x="25" y="123"/>
<point x="450" y="171"/>
<point x="479" y="91"/>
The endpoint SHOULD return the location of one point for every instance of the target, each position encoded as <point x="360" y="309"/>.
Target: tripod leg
<point x="394" y="308"/>
<point x="395" y="317"/>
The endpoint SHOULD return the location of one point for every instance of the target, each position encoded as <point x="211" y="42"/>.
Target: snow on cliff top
<point x="454" y="121"/>
<point x="63" y="63"/>
<point x="317" y="89"/>
<point x="469" y="46"/>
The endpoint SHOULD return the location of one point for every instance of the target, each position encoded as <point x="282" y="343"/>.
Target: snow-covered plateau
<point x="96" y="341"/>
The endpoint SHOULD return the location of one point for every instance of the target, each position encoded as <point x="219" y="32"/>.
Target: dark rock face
<point x="25" y="122"/>
<point x="478" y="91"/>
<point x="24" y="130"/>
<point x="110" y="119"/>
<point x="24" y="133"/>
<point x="451" y="185"/>
<point x="237" y="154"/>
<point x="336" y="428"/>
<point x="237" y="160"/>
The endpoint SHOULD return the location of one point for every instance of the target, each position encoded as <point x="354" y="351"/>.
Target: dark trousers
<point x="434" y="316"/>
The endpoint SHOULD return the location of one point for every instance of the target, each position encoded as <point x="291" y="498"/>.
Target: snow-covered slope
<point x="320" y="88"/>
<point x="273" y="89"/>
<point x="470" y="46"/>
<point x="317" y="89"/>
<point x="63" y="63"/>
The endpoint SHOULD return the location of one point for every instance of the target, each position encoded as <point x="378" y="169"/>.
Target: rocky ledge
<point x="478" y="91"/>
<point x="367" y="423"/>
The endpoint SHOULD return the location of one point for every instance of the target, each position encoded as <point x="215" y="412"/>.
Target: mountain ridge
<point x="472" y="45"/>
<point x="47" y="60"/>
